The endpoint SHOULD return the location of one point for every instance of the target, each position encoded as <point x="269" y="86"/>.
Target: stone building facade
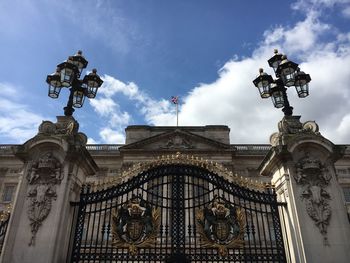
<point x="311" y="175"/>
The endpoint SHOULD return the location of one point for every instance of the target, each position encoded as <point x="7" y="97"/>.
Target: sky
<point x="207" y="52"/>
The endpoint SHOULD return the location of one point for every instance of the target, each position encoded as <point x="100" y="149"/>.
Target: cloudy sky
<point x="207" y="52"/>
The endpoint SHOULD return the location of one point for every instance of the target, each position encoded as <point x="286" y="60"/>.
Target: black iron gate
<point x="177" y="213"/>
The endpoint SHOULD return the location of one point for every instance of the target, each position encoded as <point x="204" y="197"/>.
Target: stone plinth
<point x="56" y="163"/>
<point x="301" y="163"/>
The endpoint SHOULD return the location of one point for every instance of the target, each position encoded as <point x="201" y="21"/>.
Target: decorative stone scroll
<point x="135" y="225"/>
<point x="43" y="176"/>
<point x="314" y="178"/>
<point x="66" y="126"/>
<point x="291" y="125"/>
<point x="221" y="225"/>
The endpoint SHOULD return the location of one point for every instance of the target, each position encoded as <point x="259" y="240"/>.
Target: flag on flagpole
<point x="175" y="99"/>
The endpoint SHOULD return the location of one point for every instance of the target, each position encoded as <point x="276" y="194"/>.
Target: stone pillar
<point x="56" y="163"/>
<point x="301" y="163"/>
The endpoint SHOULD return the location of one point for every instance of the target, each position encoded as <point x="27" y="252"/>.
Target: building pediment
<point x="176" y="140"/>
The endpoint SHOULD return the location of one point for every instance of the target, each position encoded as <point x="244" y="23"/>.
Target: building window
<point x="346" y="191"/>
<point x="8" y="193"/>
<point x="342" y="172"/>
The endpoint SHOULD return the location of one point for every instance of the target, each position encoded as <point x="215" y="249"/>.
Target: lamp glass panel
<point x="277" y="99"/>
<point x="92" y="84"/>
<point x="263" y="83"/>
<point x="302" y="89"/>
<point x="54" y="91"/>
<point x="55" y="83"/>
<point x="288" y="79"/>
<point x="78" y="99"/>
<point x="67" y="75"/>
<point x="264" y="91"/>
<point x="91" y="92"/>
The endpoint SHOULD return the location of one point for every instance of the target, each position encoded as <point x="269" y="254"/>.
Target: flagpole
<point x="177" y="113"/>
<point x="175" y="100"/>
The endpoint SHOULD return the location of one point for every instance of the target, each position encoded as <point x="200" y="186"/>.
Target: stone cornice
<point x="188" y="135"/>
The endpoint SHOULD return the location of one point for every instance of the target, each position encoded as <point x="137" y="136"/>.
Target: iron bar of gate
<point x="3" y="230"/>
<point x="282" y="207"/>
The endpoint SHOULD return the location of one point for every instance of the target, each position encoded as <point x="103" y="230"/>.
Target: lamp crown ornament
<point x="288" y="74"/>
<point x="67" y="75"/>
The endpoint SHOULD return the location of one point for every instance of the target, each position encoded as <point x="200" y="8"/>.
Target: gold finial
<point x="261" y="70"/>
<point x="275" y="51"/>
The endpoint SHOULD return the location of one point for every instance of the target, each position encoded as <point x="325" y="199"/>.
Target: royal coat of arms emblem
<point x="221" y="225"/>
<point x="135" y="224"/>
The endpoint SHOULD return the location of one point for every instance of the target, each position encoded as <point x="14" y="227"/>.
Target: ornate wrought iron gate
<point x="177" y="213"/>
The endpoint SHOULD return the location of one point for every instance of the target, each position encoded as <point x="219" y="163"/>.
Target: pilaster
<point x="301" y="163"/>
<point x="56" y="163"/>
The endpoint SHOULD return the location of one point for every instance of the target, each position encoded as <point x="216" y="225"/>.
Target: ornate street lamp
<point x="67" y="76"/>
<point x="287" y="74"/>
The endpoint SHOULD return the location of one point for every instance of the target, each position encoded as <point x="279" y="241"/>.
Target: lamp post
<point x="67" y="75"/>
<point x="287" y="74"/>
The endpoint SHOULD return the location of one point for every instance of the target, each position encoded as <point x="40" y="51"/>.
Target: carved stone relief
<point x="314" y="178"/>
<point x="43" y="176"/>
<point x="178" y="142"/>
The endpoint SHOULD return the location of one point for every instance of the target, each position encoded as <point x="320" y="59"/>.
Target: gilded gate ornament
<point x="135" y="225"/>
<point x="221" y="225"/>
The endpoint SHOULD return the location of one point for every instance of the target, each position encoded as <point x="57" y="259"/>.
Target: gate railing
<point x="105" y="228"/>
<point x="4" y="221"/>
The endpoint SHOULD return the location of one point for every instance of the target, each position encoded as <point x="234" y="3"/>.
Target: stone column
<point x="56" y="163"/>
<point x="301" y="163"/>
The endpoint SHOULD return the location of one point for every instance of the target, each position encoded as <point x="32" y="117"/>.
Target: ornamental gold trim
<point x="181" y="159"/>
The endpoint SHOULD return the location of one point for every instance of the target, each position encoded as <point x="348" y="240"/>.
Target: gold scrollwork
<point x="181" y="159"/>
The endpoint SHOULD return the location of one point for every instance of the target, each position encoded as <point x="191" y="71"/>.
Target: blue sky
<point x="205" y="51"/>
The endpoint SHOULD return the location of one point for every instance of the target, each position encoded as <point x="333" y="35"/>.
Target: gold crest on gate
<point x="135" y="224"/>
<point x="221" y="225"/>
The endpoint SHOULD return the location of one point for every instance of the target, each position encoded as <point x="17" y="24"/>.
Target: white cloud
<point x="103" y="106"/>
<point x="306" y="5"/>
<point x="153" y="111"/>
<point x="233" y="100"/>
<point x="299" y="40"/>
<point x="17" y="122"/>
<point x="92" y="141"/>
<point x="346" y="12"/>
<point x="112" y="136"/>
